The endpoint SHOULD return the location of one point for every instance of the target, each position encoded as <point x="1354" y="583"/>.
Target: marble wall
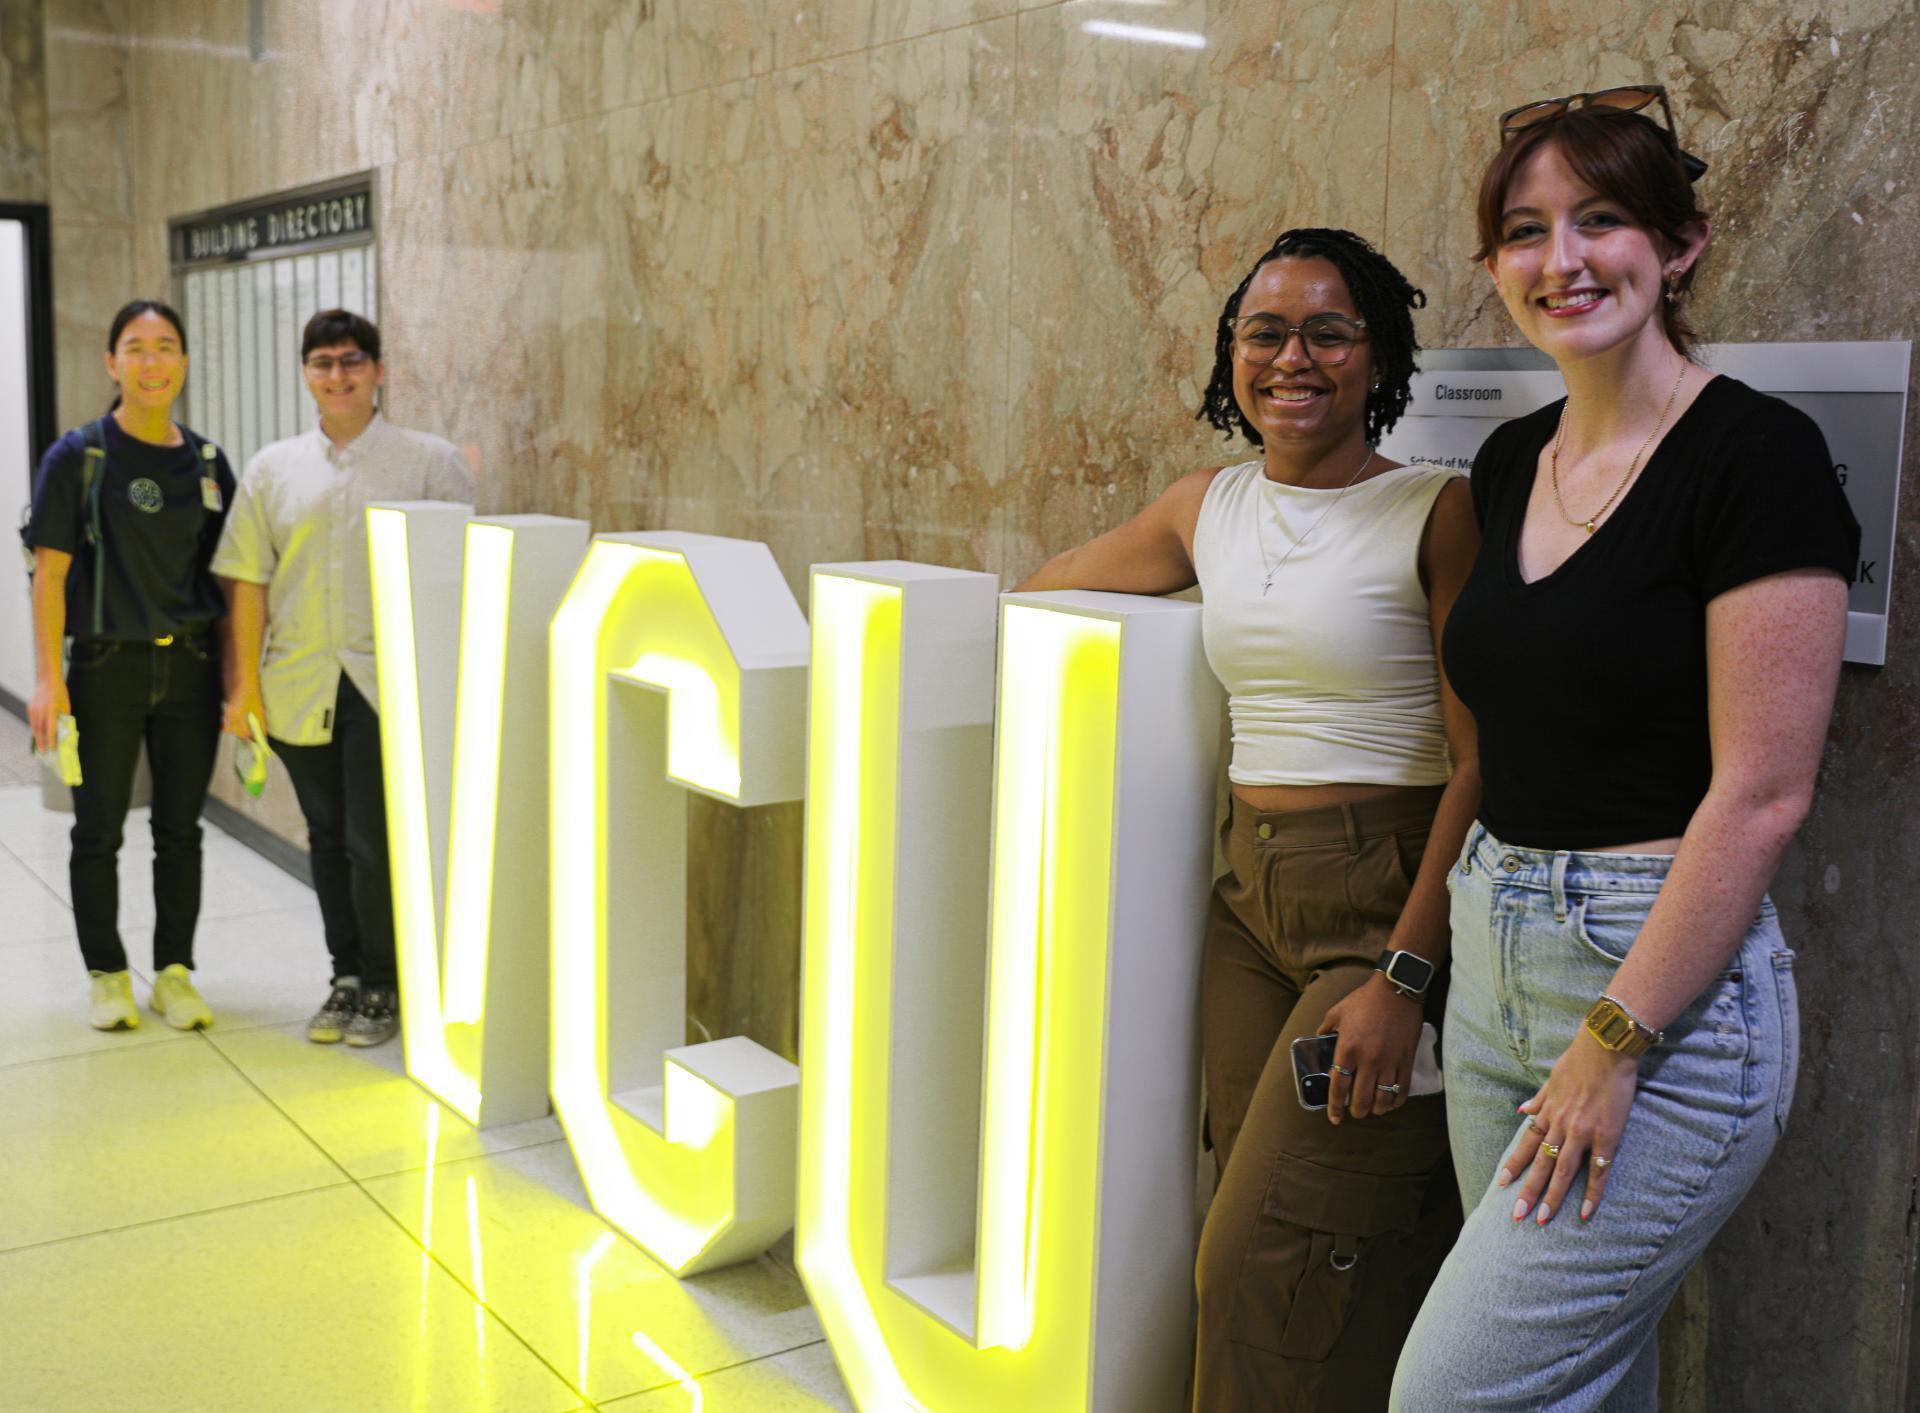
<point x="935" y="278"/>
<point x="23" y="102"/>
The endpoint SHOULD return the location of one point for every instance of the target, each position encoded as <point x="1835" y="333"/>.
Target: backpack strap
<point x="93" y="477"/>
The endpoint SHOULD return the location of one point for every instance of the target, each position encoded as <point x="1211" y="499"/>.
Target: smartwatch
<point x="1411" y="975"/>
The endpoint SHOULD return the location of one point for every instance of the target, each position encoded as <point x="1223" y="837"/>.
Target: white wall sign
<point x="1856" y="392"/>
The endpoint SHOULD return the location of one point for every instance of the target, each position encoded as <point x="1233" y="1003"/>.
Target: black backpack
<point x="93" y="474"/>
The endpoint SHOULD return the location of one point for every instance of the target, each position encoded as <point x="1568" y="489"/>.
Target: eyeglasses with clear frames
<point x="1327" y="338"/>
<point x="323" y="364"/>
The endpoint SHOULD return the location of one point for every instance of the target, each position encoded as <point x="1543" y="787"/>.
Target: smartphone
<point x="1313" y="1068"/>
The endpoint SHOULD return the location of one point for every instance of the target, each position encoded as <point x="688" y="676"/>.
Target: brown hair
<point x="1626" y="158"/>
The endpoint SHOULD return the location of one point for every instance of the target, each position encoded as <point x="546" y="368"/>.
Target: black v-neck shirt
<point x="1589" y="684"/>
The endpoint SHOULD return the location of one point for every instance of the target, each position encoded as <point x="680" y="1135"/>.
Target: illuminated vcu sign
<point x="987" y="1146"/>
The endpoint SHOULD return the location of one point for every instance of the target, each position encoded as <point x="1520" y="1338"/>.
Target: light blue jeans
<point x="1563" y="1317"/>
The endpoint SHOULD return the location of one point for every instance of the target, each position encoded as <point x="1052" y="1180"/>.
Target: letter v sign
<point x="469" y="749"/>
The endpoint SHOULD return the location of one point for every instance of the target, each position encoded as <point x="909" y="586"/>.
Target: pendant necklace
<point x="1260" y="527"/>
<point x="1560" y="430"/>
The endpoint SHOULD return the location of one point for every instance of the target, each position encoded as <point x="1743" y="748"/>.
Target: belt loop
<point x="1352" y="821"/>
<point x="1560" y="885"/>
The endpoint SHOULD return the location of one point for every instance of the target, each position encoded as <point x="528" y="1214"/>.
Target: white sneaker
<point x="111" y="1007"/>
<point x="176" y="1002"/>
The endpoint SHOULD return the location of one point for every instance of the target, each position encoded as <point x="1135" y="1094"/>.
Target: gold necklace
<point x="1560" y="431"/>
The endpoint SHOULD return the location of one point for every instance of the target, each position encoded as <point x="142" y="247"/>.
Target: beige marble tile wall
<point x="23" y="102"/>
<point x="935" y="278"/>
<point x="88" y="58"/>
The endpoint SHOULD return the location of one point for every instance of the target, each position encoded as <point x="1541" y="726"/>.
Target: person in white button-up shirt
<point x="293" y="560"/>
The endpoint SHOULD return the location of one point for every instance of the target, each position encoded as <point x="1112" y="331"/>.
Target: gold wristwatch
<point x="1617" y="1028"/>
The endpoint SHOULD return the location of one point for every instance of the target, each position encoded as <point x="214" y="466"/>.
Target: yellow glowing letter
<point x="464" y="746"/>
<point x="1025" y="1243"/>
<point x="686" y="652"/>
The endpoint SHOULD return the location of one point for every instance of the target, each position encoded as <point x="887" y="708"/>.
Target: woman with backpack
<point x="126" y="513"/>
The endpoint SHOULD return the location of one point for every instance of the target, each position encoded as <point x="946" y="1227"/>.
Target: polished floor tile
<point x="240" y="1220"/>
<point x="316" y="1302"/>
<point x="33" y="910"/>
<point x="517" y="1225"/>
<point x="43" y="1007"/>
<point x="359" y="1105"/>
<point x="802" y="1381"/>
<point x="28" y="828"/>
<point x="150" y="1131"/>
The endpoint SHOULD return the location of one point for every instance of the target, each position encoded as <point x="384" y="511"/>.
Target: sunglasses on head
<point x="1631" y="99"/>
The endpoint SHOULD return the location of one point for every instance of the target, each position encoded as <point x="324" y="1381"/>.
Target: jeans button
<point x="1265" y="831"/>
<point x="1510" y="864"/>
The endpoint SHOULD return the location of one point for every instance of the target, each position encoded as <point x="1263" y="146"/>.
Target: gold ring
<point x="1552" y="1150"/>
<point x="1342" y="1069"/>
<point x="1538" y="1128"/>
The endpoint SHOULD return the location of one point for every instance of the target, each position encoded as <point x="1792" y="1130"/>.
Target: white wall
<point x="16" y="621"/>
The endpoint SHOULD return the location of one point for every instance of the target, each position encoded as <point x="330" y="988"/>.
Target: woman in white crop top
<point x="1326" y="574"/>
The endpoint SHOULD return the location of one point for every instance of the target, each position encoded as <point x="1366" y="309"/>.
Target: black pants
<point x="344" y="799"/>
<point x="168" y="697"/>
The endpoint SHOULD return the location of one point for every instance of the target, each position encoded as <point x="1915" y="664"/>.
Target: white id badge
<point x="210" y="494"/>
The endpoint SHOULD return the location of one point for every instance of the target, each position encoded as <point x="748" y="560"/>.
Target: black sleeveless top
<point x="1590" y="685"/>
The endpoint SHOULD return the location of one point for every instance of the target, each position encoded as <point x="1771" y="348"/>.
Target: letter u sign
<point x="1026" y="1242"/>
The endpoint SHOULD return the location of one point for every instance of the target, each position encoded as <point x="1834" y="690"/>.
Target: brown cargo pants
<point x="1321" y="1240"/>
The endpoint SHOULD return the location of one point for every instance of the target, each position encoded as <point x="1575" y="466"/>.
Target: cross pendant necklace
<point x="1260" y="527"/>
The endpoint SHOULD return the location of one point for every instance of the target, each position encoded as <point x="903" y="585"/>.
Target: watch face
<point x="1610" y="1026"/>
<point x="1405" y="969"/>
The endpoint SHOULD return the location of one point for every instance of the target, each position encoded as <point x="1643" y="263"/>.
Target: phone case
<point x="1313" y="1068"/>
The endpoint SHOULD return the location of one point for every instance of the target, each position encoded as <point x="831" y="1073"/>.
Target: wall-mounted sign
<point x="310" y="218"/>
<point x="1856" y="392"/>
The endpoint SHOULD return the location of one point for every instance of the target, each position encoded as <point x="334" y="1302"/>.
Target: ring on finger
<point x="1552" y="1150"/>
<point x="1538" y="1127"/>
<point x="1388" y="1088"/>
<point x="1342" y="1069"/>
<point x="1600" y="1160"/>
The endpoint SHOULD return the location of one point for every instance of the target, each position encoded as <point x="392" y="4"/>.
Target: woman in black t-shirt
<point x="126" y="513"/>
<point x="1650" y="643"/>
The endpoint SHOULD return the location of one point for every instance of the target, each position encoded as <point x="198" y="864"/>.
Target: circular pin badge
<point x="146" y="495"/>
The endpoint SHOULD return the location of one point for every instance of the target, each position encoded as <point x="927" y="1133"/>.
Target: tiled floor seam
<point x="724" y="1368"/>
<point x="6" y="1251"/>
<point x="401" y="1227"/>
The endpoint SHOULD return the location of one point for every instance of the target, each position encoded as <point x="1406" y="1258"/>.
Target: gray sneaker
<point x="329" y="1023"/>
<point x="377" y="1019"/>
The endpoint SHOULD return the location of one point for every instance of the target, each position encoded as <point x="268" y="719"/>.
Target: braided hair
<point x="1386" y="302"/>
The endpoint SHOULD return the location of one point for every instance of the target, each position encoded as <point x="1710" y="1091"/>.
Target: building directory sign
<point x="311" y="218"/>
<point x="1856" y="392"/>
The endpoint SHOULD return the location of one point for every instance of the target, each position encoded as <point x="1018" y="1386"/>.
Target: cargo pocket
<point x="1323" y="1273"/>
